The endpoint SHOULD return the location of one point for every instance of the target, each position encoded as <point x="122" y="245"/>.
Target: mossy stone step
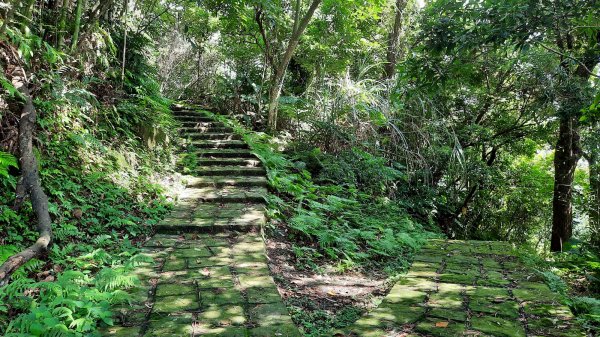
<point x="190" y="113"/>
<point x="200" y="124"/>
<point x="220" y="181"/>
<point x="222" y="195"/>
<point x="225" y="153"/>
<point x="195" y="118"/>
<point x="220" y="144"/>
<point x="211" y="136"/>
<point x="242" y="162"/>
<point x="230" y="170"/>
<point x="209" y="129"/>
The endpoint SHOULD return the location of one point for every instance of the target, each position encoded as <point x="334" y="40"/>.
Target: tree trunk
<point x="566" y="156"/>
<point x="78" y="12"/>
<point x="30" y="180"/>
<point x="392" y="50"/>
<point x="62" y="24"/>
<point x="279" y="74"/>
<point x="594" y="212"/>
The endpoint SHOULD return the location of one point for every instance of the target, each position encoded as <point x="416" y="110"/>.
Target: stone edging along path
<point x="210" y="275"/>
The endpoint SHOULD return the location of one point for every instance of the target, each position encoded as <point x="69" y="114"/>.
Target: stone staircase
<point x="210" y="275"/>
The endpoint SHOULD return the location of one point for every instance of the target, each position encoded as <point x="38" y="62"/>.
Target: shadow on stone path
<point x="210" y="275"/>
<point x="468" y="288"/>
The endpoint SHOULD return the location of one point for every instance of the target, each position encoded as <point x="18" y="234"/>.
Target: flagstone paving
<point x="468" y="288"/>
<point x="209" y="275"/>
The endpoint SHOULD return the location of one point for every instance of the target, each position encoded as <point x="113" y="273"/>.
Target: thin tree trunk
<point x="78" y="12"/>
<point x="566" y="156"/>
<point x="392" y="50"/>
<point x="279" y="74"/>
<point x="594" y="212"/>
<point x="124" y="43"/>
<point x="62" y="23"/>
<point x="30" y="180"/>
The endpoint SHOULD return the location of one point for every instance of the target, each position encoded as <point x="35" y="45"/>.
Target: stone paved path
<point x="468" y="288"/>
<point x="210" y="275"/>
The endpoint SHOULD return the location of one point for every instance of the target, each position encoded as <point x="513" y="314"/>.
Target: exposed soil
<point x="330" y="290"/>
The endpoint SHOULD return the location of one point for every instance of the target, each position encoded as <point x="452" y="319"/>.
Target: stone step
<point x="243" y="162"/>
<point x="231" y="171"/>
<point x="220" y="181"/>
<point x="225" y="153"/>
<point x="190" y="113"/>
<point x="224" y="195"/>
<point x="212" y="217"/>
<point x="220" y="144"/>
<point x="182" y="118"/>
<point x="211" y="135"/>
<point x="210" y="129"/>
<point x="200" y="125"/>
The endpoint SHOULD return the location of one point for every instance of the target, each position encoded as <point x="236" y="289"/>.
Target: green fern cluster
<point x="74" y="304"/>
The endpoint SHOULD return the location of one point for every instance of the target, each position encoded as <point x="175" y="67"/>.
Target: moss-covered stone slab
<point x="168" y="289"/>
<point x="418" y="283"/>
<point x="497" y="326"/>
<point x="270" y="314"/>
<point x="180" y="325"/>
<point x="448" y="314"/>
<point x="446" y="300"/>
<point x="263" y="294"/>
<point x="212" y="261"/>
<point x="205" y="330"/>
<point x="172" y="304"/>
<point x="465" y="279"/>
<point x="429" y="258"/>
<point x="251" y="281"/>
<point x="174" y="263"/>
<point x="283" y="330"/>
<point x="195" y="252"/>
<point x="440" y="328"/>
<point x="406" y="297"/>
<point x="220" y="296"/>
<point x="396" y="314"/>
<point x="507" y="309"/>
<point x="222" y="315"/>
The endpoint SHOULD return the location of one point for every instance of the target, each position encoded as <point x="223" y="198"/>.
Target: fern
<point x="7" y="161"/>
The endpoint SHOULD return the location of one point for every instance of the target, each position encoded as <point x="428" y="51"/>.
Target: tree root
<point x="31" y="183"/>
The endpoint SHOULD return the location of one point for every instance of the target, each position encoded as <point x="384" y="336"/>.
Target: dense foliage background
<point x="381" y="122"/>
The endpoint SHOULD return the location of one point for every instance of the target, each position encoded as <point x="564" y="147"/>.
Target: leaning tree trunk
<point x="30" y="180"/>
<point x="566" y="156"/>
<point x="279" y="75"/>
